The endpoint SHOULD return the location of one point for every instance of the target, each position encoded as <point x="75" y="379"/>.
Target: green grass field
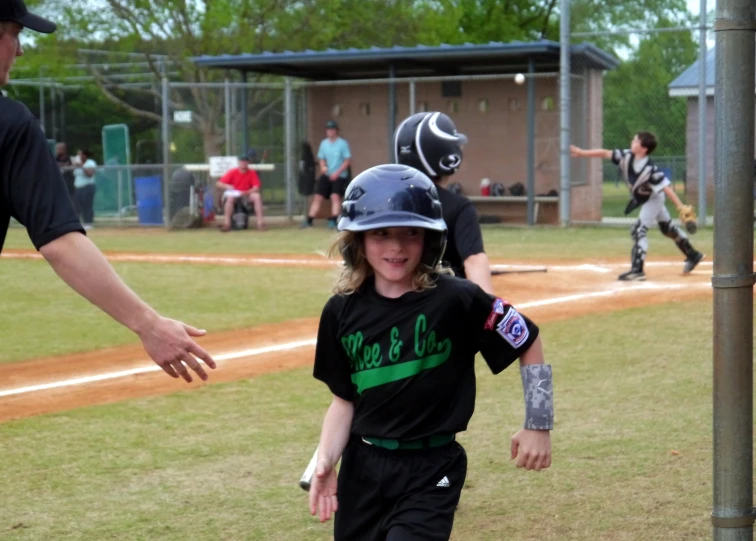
<point x="511" y="243"/>
<point x="223" y="461"/>
<point x="208" y="297"/>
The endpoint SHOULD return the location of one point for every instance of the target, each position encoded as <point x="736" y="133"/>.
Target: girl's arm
<point x="531" y="446"/>
<point x="333" y="439"/>
<point x="335" y="434"/>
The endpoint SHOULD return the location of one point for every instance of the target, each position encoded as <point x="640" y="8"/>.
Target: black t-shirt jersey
<point x="643" y="181"/>
<point x="464" y="238"/>
<point x="408" y="363"/>
<point x="31" y="187"/>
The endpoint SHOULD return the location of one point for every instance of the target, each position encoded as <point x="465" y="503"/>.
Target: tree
<point x="636" y="95"/>
<point x="182" y="29"/>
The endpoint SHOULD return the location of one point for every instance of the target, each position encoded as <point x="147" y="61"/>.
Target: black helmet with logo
<point x="429" y="142"/>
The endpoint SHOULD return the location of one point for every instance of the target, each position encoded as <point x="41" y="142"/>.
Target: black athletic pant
<point x="398" y="495"/>
<point x="84" y="198"/>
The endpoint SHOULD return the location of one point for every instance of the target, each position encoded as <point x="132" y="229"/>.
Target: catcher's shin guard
<point x="638" y="253"/>
<point x="686" y="248"/>
<point x="670" y="230"/>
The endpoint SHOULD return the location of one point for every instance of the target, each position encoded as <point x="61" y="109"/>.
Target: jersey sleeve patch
<point x="497" y="310"/>
<point x="513" y="329"/>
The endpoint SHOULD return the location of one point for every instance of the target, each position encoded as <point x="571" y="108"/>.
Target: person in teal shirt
<point x="335" y="159"/>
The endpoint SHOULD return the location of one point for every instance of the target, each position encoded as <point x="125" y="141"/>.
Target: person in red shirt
<point x="241" y="182"/>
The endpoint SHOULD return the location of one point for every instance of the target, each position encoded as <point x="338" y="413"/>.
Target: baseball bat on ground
<point x="497" y="272"/>
<point x="306" y="479"/>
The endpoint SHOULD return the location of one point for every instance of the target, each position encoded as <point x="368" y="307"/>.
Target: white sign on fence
<point x="220" y="164"/>
<point x="182" y="117"/>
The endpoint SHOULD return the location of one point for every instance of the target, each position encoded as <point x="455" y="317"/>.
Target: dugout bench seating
<point x="514" y="208"/>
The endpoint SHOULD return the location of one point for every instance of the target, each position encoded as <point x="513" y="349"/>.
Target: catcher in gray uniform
<point x="648" y="186"/>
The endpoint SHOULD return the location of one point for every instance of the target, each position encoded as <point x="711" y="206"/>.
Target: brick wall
<point x="493" y="114"/>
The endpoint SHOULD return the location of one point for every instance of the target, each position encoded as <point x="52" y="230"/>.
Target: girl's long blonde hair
<point x="357" y="269"/>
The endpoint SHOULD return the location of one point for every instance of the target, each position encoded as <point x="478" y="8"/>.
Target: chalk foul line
<point x="153" y="368"/>
<point x="615" y="290"/>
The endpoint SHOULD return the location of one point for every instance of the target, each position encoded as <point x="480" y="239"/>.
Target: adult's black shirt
<point x="408" y="364"/>
<point x="31" y="187"/>
<point x="464" y="238"/>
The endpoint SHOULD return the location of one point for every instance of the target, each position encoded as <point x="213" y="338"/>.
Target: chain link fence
<point x="172" y="125"/>
<point x="208" y="120"/>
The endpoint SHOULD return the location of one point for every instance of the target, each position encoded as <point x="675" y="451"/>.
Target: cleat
<point x="632" y="276"/>
<point x="691" y="262"/>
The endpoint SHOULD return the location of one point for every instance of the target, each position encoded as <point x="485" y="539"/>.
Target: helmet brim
<point x="392" y="219"/>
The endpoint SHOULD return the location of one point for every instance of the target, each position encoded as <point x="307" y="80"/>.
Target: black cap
<point x="244" y="157"/>
<point x="331" y="125"/>
<point x="15" y="11"/>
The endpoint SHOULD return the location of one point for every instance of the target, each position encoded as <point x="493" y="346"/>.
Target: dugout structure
<point x="513" y="129"/>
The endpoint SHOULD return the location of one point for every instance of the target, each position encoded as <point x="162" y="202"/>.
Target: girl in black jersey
<point x="396" y="347"/>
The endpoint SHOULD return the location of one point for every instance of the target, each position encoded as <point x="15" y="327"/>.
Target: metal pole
<point x="63" y="115"/>
<point x="245" y="120"/>
<point x="531" y="142"/>
<point x="234" y="112"/>
<point x="289" y="150"/>
<point x="391" y="112"/>
<point x="702" y="107"/>
<point x="412" y="99"/>
<point x="732" y="511"/>
<point x="53" y="106"/>
<point x="564" y="112"/>
<point x="166" y="148"/>
<point x="227" y="105"/>
<point x="120" y="195"/>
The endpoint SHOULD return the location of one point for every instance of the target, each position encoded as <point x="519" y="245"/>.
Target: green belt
<point x="437" y="440"/>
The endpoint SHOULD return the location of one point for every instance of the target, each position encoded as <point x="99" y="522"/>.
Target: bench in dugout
<point x="514" y="208"/>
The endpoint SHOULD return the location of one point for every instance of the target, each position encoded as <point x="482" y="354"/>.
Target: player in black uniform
<point x="396" y="347"/>
<point x="430" y="143"/>
<point x="648" y="186"/>
<point x="32" y="191"/>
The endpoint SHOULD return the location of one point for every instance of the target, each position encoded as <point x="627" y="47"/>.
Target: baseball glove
<point x="688" y="218"/>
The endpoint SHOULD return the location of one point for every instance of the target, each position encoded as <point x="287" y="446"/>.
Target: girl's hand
<point x="323" y="492"/>
<point x="532" y="449"/>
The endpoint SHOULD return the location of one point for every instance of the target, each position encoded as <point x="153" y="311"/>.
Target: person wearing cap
<point x="335" y="159"/>
<point x="241" y="182"/>
<point x="32" y="191"/>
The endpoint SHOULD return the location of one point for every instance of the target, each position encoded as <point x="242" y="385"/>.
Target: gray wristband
<point x="539" y="399"/>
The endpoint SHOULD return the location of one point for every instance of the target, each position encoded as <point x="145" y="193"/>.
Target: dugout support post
<point x="732" y="514"/>
<point x="531" y="142"/>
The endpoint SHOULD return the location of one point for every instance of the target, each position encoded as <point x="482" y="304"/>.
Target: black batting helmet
<point x="395" y="196"/>
<point x="429" y="142"/>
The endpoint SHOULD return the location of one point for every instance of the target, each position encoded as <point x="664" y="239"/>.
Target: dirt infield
<point x="567" y="290"/>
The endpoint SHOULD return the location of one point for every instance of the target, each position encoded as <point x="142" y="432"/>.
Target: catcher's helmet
<point x="395" y="196"/>
<point x="429" y="142"/>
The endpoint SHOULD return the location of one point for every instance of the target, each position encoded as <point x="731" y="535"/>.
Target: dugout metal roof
<point x="686" y="84"/>
<point x="418" y="61"/>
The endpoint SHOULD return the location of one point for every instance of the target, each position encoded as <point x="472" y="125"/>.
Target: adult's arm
<point x="168" y="342"/>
